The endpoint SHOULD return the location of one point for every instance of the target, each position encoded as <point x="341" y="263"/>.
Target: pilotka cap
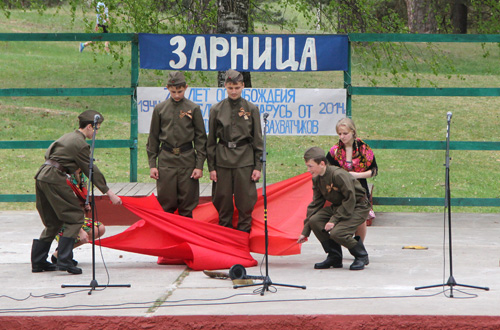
<point x="314" y="152"/>
<point x="175" y="78"/>
<point x="233" y="76"/>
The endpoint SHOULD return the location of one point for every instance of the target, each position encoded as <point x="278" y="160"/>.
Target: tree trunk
<point x="459" y="17"/>
<point x="232" y="18"/>
<point x="421" y="16"/>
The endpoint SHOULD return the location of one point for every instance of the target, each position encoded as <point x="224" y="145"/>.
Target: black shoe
<point x="329" y="262"/>
<point x="360" y="256"/>
<point x="43" y="267"/>
<point x="334" y="258"/>
<point x="65" y="254"/>
<point x="39" y="254"/>
<point x="359" y="263"/>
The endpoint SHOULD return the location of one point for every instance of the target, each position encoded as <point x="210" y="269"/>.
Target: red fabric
<point x="79" y="190"/>
<point x="202" y="244"/>
<point x="287" y="203"/>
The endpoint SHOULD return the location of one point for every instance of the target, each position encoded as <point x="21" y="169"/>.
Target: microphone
<point x="266" y="115"/>
<point x="238" y="272"/>
<point x="96" y="118"/>
<point x="449" y="114"/>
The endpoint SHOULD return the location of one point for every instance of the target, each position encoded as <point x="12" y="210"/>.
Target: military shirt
<point x="177" y="123"/>
<point x="338" y="187"/>
<point x="73" y="152"/>
<point x="234" y="121"/>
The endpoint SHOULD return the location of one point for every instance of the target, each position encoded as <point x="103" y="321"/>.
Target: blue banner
<point x="220" y="52"/>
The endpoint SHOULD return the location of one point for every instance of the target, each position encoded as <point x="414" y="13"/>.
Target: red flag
<point x="202" y="244"/>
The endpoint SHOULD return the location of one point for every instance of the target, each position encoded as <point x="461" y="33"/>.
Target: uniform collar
<point x="234" y="102"/>
<point x="327" y="171"/>
<point x="83" y="135"/>
<point x="177" y="102"/>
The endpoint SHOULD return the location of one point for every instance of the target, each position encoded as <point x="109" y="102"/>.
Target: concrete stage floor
<point x="382" y="296"/>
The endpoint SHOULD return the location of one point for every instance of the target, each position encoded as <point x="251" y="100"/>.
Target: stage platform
<point x="382" y="296"/>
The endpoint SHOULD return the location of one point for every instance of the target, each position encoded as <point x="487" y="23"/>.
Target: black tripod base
<point x="452" y="283"/>
<point x="93" y="284"/>
<point x="267" y="283"/>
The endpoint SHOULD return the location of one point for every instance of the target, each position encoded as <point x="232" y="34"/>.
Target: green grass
<point x="402" y="173"/>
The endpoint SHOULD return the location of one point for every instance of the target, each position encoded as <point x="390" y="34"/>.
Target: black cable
<point x="211" y="302"/>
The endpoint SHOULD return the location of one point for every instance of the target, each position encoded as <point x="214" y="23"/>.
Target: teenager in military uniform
<point x="335" y="225"/>
<point x="177" y="149"/>
<point x="234" y="152"/>
<point x="56" y="202"/>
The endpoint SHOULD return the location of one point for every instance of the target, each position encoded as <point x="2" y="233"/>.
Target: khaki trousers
<point x="343" y="231"/>
<point x="58" y="206"/>
<point x="237" y="182"/>
<point x="177" y="191"/>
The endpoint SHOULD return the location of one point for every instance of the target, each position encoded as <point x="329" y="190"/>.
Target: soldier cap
<point x="233" y="76"/>
<point x="176" y="78"/>
<point x="314" y="153"/>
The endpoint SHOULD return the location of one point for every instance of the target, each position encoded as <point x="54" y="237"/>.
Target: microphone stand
<point x="447" y="204"/>
<point x="266" y="280"/>
<point x="93" y="283"/>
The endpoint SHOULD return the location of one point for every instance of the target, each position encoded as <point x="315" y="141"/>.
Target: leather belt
<point x="234" y="145"/>
<point x="177" y="150"/>
<point x="55" y="164"/>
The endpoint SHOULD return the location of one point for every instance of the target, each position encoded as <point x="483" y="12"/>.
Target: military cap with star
<point x="233" y="76"/>
<point x="175" y="78"/>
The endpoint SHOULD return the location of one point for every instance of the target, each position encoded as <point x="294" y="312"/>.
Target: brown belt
<point x="234" y="145"/>
<point x="177" y="150"/>
<point x="55" y="164"/>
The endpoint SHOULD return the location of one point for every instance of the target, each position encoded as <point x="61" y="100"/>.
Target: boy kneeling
<point x="335" y="225"/>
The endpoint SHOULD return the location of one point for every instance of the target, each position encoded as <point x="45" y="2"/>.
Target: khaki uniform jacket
<point x="234" y="121"/>
<point x="338" y="187"/>
<point x="177" y="123"/>
<point x="73" y="152"/>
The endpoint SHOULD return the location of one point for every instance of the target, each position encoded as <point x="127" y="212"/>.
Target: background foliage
<point x="402" y="172"/>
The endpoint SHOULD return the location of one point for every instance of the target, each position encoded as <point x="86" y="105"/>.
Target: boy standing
<point x="335" y="225"/>
<point x="234" y="151"/>
<point x="177" y="149"/>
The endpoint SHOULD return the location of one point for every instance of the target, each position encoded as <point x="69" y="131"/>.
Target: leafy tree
<point x="322" y="16"/>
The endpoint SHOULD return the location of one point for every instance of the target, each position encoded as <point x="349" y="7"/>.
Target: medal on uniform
<point x="185" y="113"/>
<point x="244" y="114"/>
<point x="330" y="187"/>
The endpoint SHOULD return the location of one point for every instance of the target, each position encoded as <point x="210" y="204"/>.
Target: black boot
<point x="53" y="258"/>
<point x="334" y="258"/>
<point x="360" y="256"/>
<point x="65" y="256"/>
<point x="39" y="254"/>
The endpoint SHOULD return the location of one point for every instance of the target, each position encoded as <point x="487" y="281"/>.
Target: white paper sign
<point x="292" y="111"/>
